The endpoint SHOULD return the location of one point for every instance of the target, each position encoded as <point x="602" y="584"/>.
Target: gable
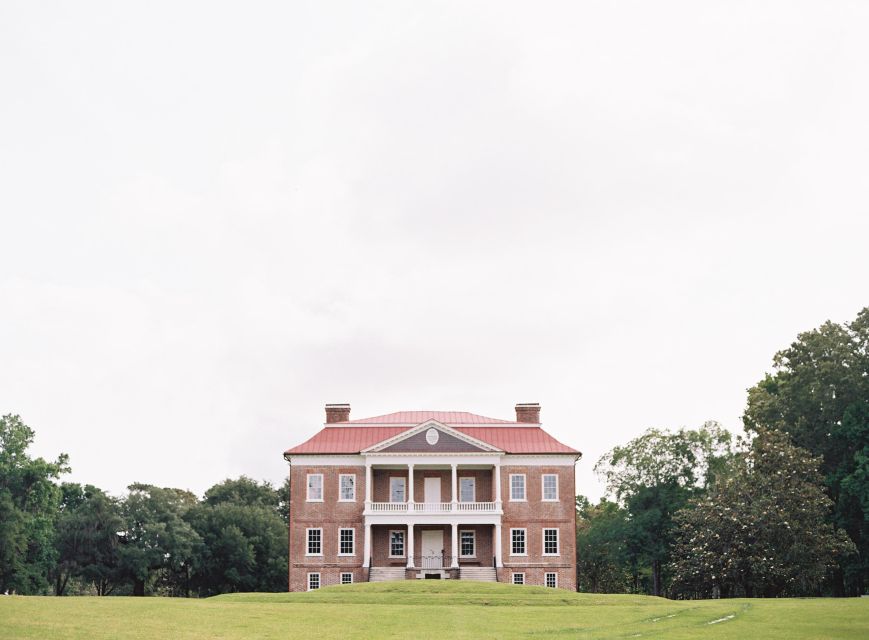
<point x="446" y="443"/>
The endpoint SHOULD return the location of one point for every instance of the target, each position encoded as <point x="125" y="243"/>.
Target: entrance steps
<point x="384" y="574"/>
<point x="480" y="574"/>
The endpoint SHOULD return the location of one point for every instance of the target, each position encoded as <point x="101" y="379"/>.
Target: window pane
<point x="314" y="541"/>
<point x="348" y="489"/>
<point x="518" y="540"/>
<point x="550" y="541"/>
<point x="346" y="537"/>
<point x="346" y="578"/>
<point x="466" y="490"/>
<point x="517" y="487"/>
<point x="396" y="543"/>
<point x="315" y="487"/>
<point x="518" y="578"/>
<point x="313" y="581"/>
<point x="396" y="490"/>
<point x="467" y="543"/>
<point x="551" y="580"/>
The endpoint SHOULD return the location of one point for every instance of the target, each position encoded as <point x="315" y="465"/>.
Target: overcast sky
<point x="215" y="218"/>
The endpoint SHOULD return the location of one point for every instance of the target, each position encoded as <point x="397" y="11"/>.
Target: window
<point x="315" y="487"/>
<point x="517" y="542"/>
<point x="397" y="490"/>
<point x="313" y="581"/>
<point x="396" y="544"/>
<point x="467" y="490"/>
<point x="552" y="580"/>
<point x="467" y="548"/>
<point x="346" y="538"/>
<point x="550" y="487"/>
<point x="517" y="486"/>
<point x="347" y="487"/>
<point x="550" y="542"/>
<point x="346" y="578"/>
<point x="315" y="542"/>
<point x="518" y="578"/>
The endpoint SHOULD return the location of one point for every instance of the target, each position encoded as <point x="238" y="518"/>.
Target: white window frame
<point x="546" y="580"/>
<point x="520" y="575"/>
<point x="524" y="497"/>
<point x="341" y="497"/>
<point x="346" y="573"/>
<point x="403" y="542"/>
<point x="308" y="497"/>
<point x="308" y="542"/>
<point x="403" y="480"/>
<point x="474" y="543"/>
<point x="352" y="531"/>
<point x="543" y="487"/>
<point x="557" y="541"/>
<point x="524" y="541"/>
<point x="473" y="480"/>
<point x="319" y="581"/>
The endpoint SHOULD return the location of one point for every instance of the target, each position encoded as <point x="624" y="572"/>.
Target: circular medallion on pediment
<point x="431" y="436"/>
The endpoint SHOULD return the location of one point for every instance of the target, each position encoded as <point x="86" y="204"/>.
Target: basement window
<point x="313" y="581"/>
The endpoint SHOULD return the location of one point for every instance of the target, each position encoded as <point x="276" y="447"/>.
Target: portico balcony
<point x="481" y="508"/>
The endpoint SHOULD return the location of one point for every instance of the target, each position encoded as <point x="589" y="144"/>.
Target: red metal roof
<point x="345" y="439"/>
<point x="417" y="417"/>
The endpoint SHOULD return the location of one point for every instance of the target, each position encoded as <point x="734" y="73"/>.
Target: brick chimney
<point x="528" y="412"/>
<point x="337" y="413"/>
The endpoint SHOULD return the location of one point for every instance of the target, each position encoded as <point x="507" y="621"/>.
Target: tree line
<point x="68" y="539"/>
<point x="780" y="510"/>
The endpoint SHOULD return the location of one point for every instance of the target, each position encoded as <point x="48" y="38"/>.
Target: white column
<point x="369" y="481"/>
<point x="410" y="546"/>
<point x="410" y="487"/>
<point x="455" y="489"/>
<point x="366" y="546"/>
<point x="455" y="539"/>
<point x="498" y="562"/>
<point x="498" y="485"/>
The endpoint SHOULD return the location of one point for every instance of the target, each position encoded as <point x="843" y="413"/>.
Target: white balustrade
<point x="432" y="507"/>
<point x="476" y="507"/>
<point x="389" y="507"/>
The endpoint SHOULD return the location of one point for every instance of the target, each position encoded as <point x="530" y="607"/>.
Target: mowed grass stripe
<point x="424" y="609"/>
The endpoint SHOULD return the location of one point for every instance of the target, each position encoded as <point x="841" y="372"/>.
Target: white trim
<point x="404" y="479"/>
<point x="352" y="553"/>
<point x="308" y="542"/>
<point x="557" y="531"/>
<point x="541" y="459"/>
<point x="473" y="480"/>
<point x="524" y="497"/>
<point x="319" y="581"/>
<point x="545" y="578"/>
<point x="543" y="497"/>
<point x="513" y="578"/>
<point x="473" y="532"/>
<point x="404" y="542"/>
<point x="425" y="426"/>
<point x="316" y="460"/>
<point x="525" y="540"/>
<point x="345" y="573"/>
<point x="340" y="477"/>
<point x="308" y="497"/>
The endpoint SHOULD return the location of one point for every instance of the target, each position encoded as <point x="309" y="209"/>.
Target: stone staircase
<point x="480" y="574"/>
<point x="384" y="574"/>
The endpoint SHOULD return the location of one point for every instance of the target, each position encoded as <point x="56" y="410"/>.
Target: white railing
<point x="475" y="506"/>
<point x="389" y="507"/>
<point x="432" y="507"/>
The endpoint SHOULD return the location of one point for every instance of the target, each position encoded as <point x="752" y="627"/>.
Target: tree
<point x="87" y="538"/>
<point x="652" y="477"/>
<point x="244" y="538"/>
<point x="819" y="394"/>
<point x="157" y="543"/>
<point x="760" y="530"/>
<point x="29" y="499"/>
<point x="600" y="548"/>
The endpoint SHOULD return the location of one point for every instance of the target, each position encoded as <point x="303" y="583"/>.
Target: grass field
<point x="428" y="610"/>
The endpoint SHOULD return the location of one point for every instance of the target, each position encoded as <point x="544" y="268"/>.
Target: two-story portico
<point x="431" y="494"/>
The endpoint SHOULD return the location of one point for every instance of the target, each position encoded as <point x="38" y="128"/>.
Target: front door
<point x="432" y="549"/>
<point x="432" y="490"/>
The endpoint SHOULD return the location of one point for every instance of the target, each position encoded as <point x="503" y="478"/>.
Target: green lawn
<point x="426" y="610"/>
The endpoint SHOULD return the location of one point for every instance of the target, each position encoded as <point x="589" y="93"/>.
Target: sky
<point x="217" y="217"/>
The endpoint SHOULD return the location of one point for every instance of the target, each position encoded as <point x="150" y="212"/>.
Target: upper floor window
<point x="347" y="487"/>
<point x="550" y="487"/>
<point x="517" y="486"/>
<point x="550" y="542"/>
<point x="315" y="542"/>
<point x="315" y="487"/>
<point x="467" y="490"/>
<point x="398" y="489"/>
